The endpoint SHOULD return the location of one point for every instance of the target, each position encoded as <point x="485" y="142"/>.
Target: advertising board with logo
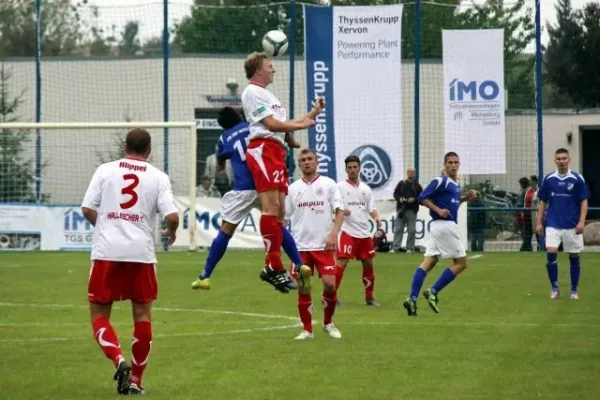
<point x="474" y="99"/>
<point x="353" y="61"/>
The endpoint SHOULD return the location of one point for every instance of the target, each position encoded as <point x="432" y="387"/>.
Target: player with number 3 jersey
<point x="121" y="202"/>
<point x="269" y="132"/>
<point x="237" y="203"/>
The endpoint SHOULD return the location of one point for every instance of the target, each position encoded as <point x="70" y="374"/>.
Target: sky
<point x="150" y="14"/>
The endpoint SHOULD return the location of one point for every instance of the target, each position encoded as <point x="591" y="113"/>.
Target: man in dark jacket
<point x="407" y="207"/>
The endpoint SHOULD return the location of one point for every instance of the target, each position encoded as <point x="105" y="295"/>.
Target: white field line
<point x="475" y="256"/>
<point x="166" y="309"/>
<point x="190" y="334"/>
<point x="493" y="324"/>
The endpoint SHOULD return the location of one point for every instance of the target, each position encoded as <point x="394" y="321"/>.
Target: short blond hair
<point x="254" y="62"/>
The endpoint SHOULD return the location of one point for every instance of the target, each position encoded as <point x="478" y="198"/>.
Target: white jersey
<point x="310" y="207"/>
<point x="358" y="199"/>
<point x="259" y="103"/>
<point x="127" y="194"/>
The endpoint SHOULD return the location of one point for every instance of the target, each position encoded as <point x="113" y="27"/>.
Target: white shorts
<point x="572" y="241"/>
<point x="444" y="241"/>
<point x="236" y="205"/>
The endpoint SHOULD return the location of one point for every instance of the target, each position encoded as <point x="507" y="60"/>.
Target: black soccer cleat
<point x="122" y="377"/>
<point x="135" y="389"/>
<point x="277" y="279"/>
<point x="411" y="307"/>
<point x="432" y="300"/>
<point x="291" y="283"/>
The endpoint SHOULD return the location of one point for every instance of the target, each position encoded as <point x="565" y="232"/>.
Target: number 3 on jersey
<point x="129" y="190"/>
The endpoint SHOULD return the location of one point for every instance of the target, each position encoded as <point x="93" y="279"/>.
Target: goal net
<point x="45" y="169"/>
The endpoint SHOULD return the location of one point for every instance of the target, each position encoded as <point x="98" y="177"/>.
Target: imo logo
<point x="74" y="221"/>
<point x="375" y="165"/>
<point x="486" y="90"/>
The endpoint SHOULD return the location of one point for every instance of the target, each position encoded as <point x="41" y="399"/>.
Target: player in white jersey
<point x="315" y="209"/>
<point x="121" y="202"/>
<point x="355" y="240"/>
<point x="266" y="154"/>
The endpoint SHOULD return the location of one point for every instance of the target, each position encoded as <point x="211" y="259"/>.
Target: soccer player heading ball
<point x="442" y="196"/>
<point x="563" y="194"/>
<point x="121" y="202"/>
<point x="266" y="156"/>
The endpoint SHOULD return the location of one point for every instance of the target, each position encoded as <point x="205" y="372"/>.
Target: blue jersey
<point x="232" y="145"/>
<point x="563" y="195"/>
<point x="445" y="194"/>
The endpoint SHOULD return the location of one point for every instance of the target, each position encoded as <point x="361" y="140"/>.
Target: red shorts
<point x="358" y="248"/>
<point x="116" y="280"/>
<point x="321" y="260"/>
<point x="266" y="160"/>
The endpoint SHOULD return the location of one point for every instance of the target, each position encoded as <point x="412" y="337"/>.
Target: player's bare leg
<point x="215" y="253"/>
<point x="270" y="228"/>
<point x="141" y="346"/>
<point x="368" y="277"/>
<point x="410" y="304"/>
<point x="449" y="274"/>
<point x="107" y="339"/>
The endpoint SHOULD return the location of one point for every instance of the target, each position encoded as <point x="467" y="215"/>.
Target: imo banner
<point x="353" y="61"/>
<point x="474" y="99"/>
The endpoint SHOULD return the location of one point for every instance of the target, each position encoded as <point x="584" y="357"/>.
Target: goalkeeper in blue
<point x="237" y="203"/>
<point x="443" y="197"/>
<point x="563" y="198"/>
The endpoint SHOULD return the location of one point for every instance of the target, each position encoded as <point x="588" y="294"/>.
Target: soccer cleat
<point x="122" y="377"/>
<point x="555" y="294"/>
<point x="332" y="331"/>
<point x="304" y="279"/>
<point x="372" y="303"/>
<point x="203" y="284"/>
<point x="432" y="300"/>
<point x="411" y="307"/>
<point x="276" y="279"/>
<point x="574" y="295"/>
<point x="135" y="389"/>
<point x="291" y="284"/>
<point x="305" y="335"/>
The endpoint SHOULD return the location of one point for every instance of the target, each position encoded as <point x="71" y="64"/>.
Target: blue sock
<point x="215" y="253"/>
<point x="417" y="282"/>
<point x="552" y="267"/>
<point x="575" y="271"/>
<point x="443" y="281"/>
<point x="289" y="246"/>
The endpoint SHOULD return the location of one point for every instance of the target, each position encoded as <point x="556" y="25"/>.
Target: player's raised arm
<point x="168" y="210"/>
<point x="314" y="112"/>
<point x="261" y="111"/>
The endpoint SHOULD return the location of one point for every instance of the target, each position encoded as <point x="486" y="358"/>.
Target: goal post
<point x="69" y="152"/>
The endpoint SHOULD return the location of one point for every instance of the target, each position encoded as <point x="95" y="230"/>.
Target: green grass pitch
<point x="498" y="335"/>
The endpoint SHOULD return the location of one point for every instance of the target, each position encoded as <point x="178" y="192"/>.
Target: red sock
<point x="338" y="277"/>
<point x="107" y="339"/>
<point x="329" y="303"/>
<point x="270" y="229"/>
<point x="369" y="282"/>
<point x="140" y="350"/>
<point x="305" y="309"/>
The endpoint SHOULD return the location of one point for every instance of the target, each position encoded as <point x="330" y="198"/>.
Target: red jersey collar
<point x="313" y="179"/>
<point x="258" y="84"/>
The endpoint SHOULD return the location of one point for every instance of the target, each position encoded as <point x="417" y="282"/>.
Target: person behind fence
<point x="564" y="194"/>
<point x="206" y="188"/>
<point x="476" y="223"/>
<point x="524" y="217"/>
<point x="531" y="203"/>
<point x="407" y="207"/>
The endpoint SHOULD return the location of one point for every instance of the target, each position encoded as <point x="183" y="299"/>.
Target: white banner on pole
<point x="474" y="99"/>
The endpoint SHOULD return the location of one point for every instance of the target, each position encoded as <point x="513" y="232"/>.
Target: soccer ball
<point x="275" y="43"/>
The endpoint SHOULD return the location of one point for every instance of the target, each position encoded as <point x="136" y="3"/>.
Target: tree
<point x="519" y="33"/>
<point x="130" y="42"/>
<point x="62" y="27"/>
<point x="574" y="44"/>
<point x="17" y="175"/>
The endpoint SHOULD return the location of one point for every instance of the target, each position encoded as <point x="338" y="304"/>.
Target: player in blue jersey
<point x="443" y="197"/>
<point x="563" y="195"/>
<point x="237" y="203"/>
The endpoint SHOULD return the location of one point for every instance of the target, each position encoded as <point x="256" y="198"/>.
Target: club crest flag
<point x="474" y="99"/>
<point x="353" y="61"/>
